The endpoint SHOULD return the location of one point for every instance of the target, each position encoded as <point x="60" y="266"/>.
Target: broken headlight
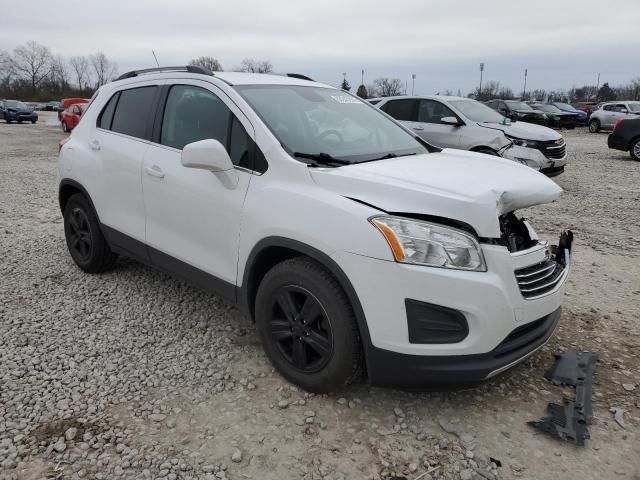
<point x="521" y="142"/>
<point x="424" y="243"/>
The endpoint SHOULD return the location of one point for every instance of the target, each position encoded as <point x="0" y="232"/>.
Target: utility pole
<point x="598" y="86"/>
<point x="413" y="83"/>
<point x="362" y="78"/>
<point x="524" y="90"/>
<point x="406" y="85"/>
<point x="481" y="70"/>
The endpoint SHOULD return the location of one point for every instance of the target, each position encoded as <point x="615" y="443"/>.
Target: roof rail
<point x="299" y="76"/>
<point x="187" y="68"/>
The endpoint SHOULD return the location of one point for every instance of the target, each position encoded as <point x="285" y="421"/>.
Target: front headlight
<point x="424" y="243"/>
<point x="522" y="142"/>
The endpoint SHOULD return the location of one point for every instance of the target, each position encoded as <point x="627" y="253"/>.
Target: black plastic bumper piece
<point x="433" y="324"/>
<point x="552" y="171"/>
<point x="428" y="373"/>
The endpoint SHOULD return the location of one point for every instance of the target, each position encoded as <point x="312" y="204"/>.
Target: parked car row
<point x="609" y="113"/>
<point x="466" y="124"/>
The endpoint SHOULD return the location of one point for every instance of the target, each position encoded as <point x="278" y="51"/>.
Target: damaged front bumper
<point x="535" y="159"/>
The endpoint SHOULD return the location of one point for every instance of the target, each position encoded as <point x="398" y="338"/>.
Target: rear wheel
<point x="307" y="326"/>
<point x="85" y="241"/>
<point x="594" y="125"/>
<point x="634" y="150"/>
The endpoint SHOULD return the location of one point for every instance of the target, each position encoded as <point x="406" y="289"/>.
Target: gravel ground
<point x="132" y="374"/>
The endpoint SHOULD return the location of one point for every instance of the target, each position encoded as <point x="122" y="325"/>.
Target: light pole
<point x="362" y="78"/>
<point x="524" y="89"/>
<point x="481" y="70"/>
<point x="598" y="86"/>
<point x="413" y="83"/>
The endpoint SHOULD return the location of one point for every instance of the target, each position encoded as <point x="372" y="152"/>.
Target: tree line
<point x="32" y="72"/>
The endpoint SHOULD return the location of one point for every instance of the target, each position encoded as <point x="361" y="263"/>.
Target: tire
<point x="19" y="121"/>
<point x="33" y="121"/>
<point x="634" y="149"/>
<point x="594" y="125"/>
<point x="64" y="127"/>
<point x="487" y="151"/>
<point x="319" y="350"/>
<point x="87" y="246"/>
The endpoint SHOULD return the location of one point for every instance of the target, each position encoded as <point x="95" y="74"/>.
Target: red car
<point x="67" y="102"/>
<point x="70" y="117"/>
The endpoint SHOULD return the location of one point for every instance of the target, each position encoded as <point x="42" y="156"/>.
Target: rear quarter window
<point x="132" y="110"/>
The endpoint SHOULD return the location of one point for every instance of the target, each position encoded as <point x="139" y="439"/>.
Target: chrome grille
<point x="553" y="149"/>
<point x="539" y="279"/>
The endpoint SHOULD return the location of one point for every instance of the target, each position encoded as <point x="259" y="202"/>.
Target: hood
<point x="469" y="187"/>
<point x="21" y="109"/>
<point x="530" y="112"/>
<point x="525" y="131"/>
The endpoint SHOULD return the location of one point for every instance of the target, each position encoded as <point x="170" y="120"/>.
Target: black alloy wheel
<point x="80" y="235"/>
<point x="301" y="329"/>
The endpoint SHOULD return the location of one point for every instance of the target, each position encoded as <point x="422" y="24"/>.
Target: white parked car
<point x="605" y="117"/>
<point x="464" y="123"/>
<point x="353" y="244"/>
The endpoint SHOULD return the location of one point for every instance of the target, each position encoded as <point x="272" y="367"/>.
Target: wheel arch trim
<point x="67" y="182"/>
<point x="244" y="301"/>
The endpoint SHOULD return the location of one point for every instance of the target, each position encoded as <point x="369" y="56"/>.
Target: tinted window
<point x="105" y="118"/>
<point x="239" y="144"/>
<point x="192" y="114"/>
<point x="400" y="109"/>
<point x="132" y="112"/>
<point x="608" y="107"/>
<point x="432" y="112"/>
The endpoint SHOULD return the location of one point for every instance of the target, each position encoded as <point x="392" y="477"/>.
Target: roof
<point x="428" y="97"/>
<point x="242" y="78"/>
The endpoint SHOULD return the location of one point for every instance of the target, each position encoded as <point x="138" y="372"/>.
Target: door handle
<point x="154" y="171"/>
<point x="95" y="145"/>
<point x="418" y="128"/>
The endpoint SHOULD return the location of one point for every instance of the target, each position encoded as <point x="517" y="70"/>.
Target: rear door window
<point x="132" y="112"/>
<point x="401" y="109"/>
<point x="106" y="117"/>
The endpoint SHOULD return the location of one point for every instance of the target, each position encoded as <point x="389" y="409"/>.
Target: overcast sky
<point x="561" y="42"/>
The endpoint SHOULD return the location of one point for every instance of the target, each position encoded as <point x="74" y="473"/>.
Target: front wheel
<point x="634" y="150"/>
<point x="594" y="126"/>
<point x="307" y="326"/>
<point x="85" y="241"/>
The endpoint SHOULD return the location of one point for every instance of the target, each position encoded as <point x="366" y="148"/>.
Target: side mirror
<point x="450" y="121"/>
<point x="206" y="155"/>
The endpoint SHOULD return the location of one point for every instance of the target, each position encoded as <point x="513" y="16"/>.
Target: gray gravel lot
<point x="132" y="374"/>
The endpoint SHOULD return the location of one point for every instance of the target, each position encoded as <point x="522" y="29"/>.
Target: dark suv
<point x="17" y="111"/>
<point x="517" y="110"/>
<point x="626" y="137"/>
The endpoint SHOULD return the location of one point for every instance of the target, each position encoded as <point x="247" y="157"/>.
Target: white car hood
<point x="526" y="131"/>
<point x="470" y="187"/>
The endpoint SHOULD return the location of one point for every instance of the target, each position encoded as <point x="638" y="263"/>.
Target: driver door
<point x="194" y="216"/>
<point x="430" y="114"/>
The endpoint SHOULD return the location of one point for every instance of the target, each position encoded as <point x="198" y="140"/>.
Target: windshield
<point x="518" y="106"/>
<point x="15" y="104"/>
<point x="477" y="112"/>
<point x="314" y="120"/>
<point x="547" y="108"/>
<point x="634" y="106"/>
<point x="565" y="106"/>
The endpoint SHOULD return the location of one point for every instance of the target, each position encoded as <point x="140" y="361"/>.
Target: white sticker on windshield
<point x="345" y="99"/>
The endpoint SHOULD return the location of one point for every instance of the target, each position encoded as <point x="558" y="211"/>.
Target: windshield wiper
<point x="322" y="159"/>
<point x="388" y="155"/>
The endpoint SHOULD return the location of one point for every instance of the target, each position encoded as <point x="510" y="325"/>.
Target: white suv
<point x="353" y="244"/>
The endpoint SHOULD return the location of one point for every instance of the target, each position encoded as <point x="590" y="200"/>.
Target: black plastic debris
<point x="569" y="421"/>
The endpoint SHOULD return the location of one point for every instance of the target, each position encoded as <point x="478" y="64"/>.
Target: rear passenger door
<point x="194" y="216"/>
<point x="119" y="143"/>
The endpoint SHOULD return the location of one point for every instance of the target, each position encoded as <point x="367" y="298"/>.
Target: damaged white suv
<point x="354" y="245"/>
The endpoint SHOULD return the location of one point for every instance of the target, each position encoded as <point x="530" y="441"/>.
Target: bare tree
<point x="372" y="91"/>
<point x="80" y="66"/>
<point x="103" y="68"/>
<point x="490" y="90"/>
<point x="210" y="63"/>
<point x="32" y="62"/>
<point x="59" y="72"/>
<point x="388" y="87"/>
<point x="255" y="66"/>
<point x="505" y="93"/>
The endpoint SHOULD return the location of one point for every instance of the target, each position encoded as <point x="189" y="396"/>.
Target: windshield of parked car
<point x="476" y="111"/>
<point x="548" y="108"/>
<point x="518" y="106"/>
<point x="15" y="104"/>
<point x="317" y="120"/>
<point x="634" y="106"/>
<point x="566" y="106"/>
